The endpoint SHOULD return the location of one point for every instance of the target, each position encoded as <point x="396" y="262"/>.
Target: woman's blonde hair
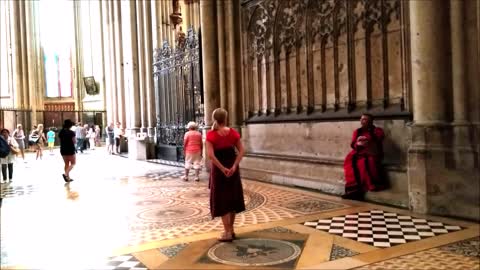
<point x="40" y="127"/>
<point x="219" y="117"/>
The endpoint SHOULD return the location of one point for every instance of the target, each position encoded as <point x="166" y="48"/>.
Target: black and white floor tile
<point x="124" y="262"/>
<point x="381" y="229"/>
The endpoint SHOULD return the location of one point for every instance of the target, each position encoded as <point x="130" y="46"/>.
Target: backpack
<point x="4" y="148"/>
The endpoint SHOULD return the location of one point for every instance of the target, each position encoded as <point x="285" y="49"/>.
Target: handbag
<point x="33" y="139"/>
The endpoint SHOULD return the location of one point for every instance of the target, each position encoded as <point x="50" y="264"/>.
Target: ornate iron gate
<point x="178" y="93"/>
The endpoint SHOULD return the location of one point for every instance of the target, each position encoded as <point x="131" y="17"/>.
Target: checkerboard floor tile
<point x="124" y="262"/>
<point x="381" y="229"/>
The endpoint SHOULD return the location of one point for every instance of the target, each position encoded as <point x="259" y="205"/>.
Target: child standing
<point x="193" y="150"/>
<point x="51" y="140"/>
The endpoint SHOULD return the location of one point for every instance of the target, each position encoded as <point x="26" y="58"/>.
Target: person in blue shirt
<point x="51" y="140"/>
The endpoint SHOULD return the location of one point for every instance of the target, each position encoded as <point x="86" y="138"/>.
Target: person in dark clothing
<point x="225" y="150"/>
<point x="67" y="148"/>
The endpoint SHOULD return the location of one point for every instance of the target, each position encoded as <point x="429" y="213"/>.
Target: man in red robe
<point x="363" y="165"/>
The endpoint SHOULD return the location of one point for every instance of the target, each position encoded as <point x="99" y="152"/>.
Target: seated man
<point x="362" y="165"/>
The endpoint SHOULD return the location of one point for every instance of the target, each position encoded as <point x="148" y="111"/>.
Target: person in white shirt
<point x="118" y="134"/>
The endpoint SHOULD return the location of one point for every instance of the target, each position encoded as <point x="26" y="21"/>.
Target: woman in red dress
<point x="363" y="164"/>
<point x="225" y="150"/>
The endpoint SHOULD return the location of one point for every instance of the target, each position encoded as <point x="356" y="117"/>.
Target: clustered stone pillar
<point x="464" y="152"/>
<point x="134" y="78"/>
<point x="18" y="61"/>
<point x="208" y="22"/>
<point x="442" y="170"/>
<point x="221" y="54"/>
<point x="233" y="62"/>
<point x="149" y="69"/>
<point x="430" y="73"/>
<point x="106" y="20"/>
<point x="118" y="64"/>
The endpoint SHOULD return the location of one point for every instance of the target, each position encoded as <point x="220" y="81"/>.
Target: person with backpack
<point x="8" y="150"/>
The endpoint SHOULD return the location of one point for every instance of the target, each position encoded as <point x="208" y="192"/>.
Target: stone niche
<point x="311" y="155"/>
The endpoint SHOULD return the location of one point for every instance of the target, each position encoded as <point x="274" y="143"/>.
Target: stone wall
<point x="311" y="155"/>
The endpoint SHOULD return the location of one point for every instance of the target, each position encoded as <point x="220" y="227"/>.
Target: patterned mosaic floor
<point x="139" y="215"/>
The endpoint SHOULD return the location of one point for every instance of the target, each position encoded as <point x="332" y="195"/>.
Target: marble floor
<point x="124" y="214"/>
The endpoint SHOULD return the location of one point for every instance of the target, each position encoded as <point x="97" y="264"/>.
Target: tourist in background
<point x="7" y="162"/>
<point x="91" y="137"/>
<point x="192" y="145"/>
<point x="80" y="137"/>
<point x="51" y="140"/>
<point x="19" y="135"/>
<point x="38" y="146"/>
<point x="109" y="132"/>
<point x="86" y="141"/>
<point x="225" y="150"/>
<point x="98" y="135"/>
<point x="67" y="149"/>
<point x="118" y="133"/>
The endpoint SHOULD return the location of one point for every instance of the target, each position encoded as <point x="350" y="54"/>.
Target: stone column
<point x="221" y="55"/>
<point x="141" y="64"/>
<point x="164" y="19"/>
<point x="119" y="63"/>
<point x="457" y="15"/>
<point x="113" y="57"/>
<point x="196" y="14"/>
<point x="159" y="19"/>
<point x="151" y="118"/>
<point x="211" y="87"/>
<point x="135" y="98"/>
<point x="211" y="84"/>
<point x="429" y="56"/>
<point x="31" y="119"/>
<point x="434" y="181"/>
<point x="234" y="67"/>
<point x="464" y="152"/>
<point x="17" y="60"/>
<point x="430" y="82"/>
<point x="107" y="56"/>
<point x="31" y="59"/>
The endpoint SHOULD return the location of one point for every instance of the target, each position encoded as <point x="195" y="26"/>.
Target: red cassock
<point x="363" y="165"/>
<point x="226" y="193"/>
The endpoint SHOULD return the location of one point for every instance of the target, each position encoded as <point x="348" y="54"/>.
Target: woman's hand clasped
<point x="229" y="172"/>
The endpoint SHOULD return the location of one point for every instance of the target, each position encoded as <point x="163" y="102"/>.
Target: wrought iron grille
<point x="178" y="90"/>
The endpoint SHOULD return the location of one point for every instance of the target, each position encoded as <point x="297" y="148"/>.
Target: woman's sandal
<point x="225" y="238"/>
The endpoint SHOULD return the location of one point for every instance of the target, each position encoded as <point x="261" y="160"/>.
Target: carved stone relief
<point x="288" y="25"/>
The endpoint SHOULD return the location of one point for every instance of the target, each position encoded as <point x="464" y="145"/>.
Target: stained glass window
<point x="57" y="34"/>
